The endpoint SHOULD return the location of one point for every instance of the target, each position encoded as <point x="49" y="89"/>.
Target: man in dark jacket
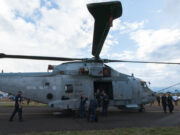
<point x="82" y="107"/>
<point x="170" y="104"/>
<point x="17" y="107"/>
<point x="105" y="103"/>
<point x="164" y="102"/>
<point x="98" y="97"/>
<point x="158" y="100"/>
<point x="92" y="110"/>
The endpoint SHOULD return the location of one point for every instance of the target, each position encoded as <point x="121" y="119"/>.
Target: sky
<point x="147" y="30"/>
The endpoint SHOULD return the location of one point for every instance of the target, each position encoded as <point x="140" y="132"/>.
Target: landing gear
<point x="141" y="109"/>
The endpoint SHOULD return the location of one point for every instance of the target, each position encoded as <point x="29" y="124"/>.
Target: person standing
<point x="92" y="110"/>
<point x="105" y="103"/>
<point x="98" y="97"/>
<point x="17" y="107"/>
<point x="164" y="102"/>
<point x="28" y="101"/>
<point x="82" y="107"/>
<point x="158" y="100"/>
<point x="175" y="98"/>
<point x="170" y="104"/>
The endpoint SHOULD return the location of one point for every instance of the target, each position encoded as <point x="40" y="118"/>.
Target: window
<point x="49" y="96"/>
<point x="144" y="84"/>
<point x="46" y="85"/>
<point x="106" y="72"/>
<point x="69" y="89"/>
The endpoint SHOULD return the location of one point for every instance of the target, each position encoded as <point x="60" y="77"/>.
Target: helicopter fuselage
<point x="63" y="87"/>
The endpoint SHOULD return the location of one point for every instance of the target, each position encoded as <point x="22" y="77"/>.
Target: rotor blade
<point x="104" y="13"/>
<point x="38" y="57"/>
<point x="153" y="62"/>
<point x="169" y="87"/>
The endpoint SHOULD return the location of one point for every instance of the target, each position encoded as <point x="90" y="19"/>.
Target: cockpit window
<point x="143" y="84"/>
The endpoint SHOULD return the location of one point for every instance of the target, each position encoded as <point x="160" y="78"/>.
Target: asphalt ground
<point x="41" y="119"/>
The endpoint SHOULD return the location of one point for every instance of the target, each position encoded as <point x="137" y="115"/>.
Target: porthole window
<point x="49" y="96"/>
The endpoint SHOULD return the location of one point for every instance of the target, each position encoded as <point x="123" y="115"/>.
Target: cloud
<point x="109" y="43"/>
<point x="157" y="45"/>
<point x="119" y="28"/>
<point x="125" y="27"/>
<point x="172" y="8"/>
<point x="62" y="31"/>
<point x="170" y="13"/>
<point x="43" y="27"/>
<point x="125" y="55"/>
<point x="159" y="75"/>
<point x="149" y="41"/>
<point x="23" y="7"/>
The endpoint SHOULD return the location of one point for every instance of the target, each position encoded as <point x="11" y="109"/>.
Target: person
<point x="98" y="97"/>
<point x="82" y="107"/>
<point x="175" y="98"/>
<point x="164" y="102"/>
<point x="158" y="100"/>
<point x="170" y="104"/>
<point x="92" y="110"/>
<point x="105" y="102"/>
<point x="17" y="107"/>
<point x="28" y="101"/>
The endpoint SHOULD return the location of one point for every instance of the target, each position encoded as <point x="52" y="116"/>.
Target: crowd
<point x="88" y="106"/>
<point x="167" y="101"/>
<point x="100" y="100"/>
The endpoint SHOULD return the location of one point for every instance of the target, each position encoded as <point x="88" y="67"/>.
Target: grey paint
<point x="127" y="90"/>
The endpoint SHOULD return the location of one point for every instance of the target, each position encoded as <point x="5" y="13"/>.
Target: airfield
<point x="43" y="118"/>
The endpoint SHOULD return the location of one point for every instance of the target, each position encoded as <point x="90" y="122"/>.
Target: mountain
<point x="166" y="89"/>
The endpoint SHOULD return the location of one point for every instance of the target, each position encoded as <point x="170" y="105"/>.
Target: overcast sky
<point x="148" y="30"/>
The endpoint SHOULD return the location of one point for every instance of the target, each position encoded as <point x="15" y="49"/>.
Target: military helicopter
<point x="63" y="87"/>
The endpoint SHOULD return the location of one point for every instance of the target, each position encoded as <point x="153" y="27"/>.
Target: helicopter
<point x="62" y="87"/>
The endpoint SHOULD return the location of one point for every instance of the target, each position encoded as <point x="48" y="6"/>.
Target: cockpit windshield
<point x="143" y="84"/>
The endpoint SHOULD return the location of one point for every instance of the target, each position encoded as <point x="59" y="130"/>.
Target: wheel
<point x="142" y="109"/>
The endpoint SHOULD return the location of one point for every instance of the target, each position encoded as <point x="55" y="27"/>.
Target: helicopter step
<point x="133" y="106"/>
<point x="127" y="107"/>
<point x="72" y="104"/>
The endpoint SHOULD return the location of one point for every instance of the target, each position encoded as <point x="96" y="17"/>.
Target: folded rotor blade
<point x="38" y="57"/>
<point x="153" y="62"/>
<point x="104" y="13"/>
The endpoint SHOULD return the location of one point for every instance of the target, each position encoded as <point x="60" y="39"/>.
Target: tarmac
<point x="42" y="119"/>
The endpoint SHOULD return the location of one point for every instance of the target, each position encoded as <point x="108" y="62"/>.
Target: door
<point x="104" y="85"/>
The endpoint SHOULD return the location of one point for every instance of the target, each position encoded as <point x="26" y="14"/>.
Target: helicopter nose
<point x="151" y="95"/>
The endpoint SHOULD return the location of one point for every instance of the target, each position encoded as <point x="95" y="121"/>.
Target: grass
<point x="8" y="103"/>
<point x="119" y="131"/>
